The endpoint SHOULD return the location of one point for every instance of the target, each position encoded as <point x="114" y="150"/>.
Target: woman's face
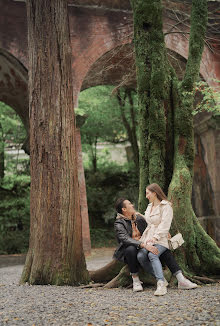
<point x="151" y="196"/>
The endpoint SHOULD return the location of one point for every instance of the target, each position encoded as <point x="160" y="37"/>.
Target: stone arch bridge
<point x="102" y="53"/>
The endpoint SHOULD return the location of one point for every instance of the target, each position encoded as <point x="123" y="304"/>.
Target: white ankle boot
<point x="137" y="287"/>
<point x="161" y="288"/>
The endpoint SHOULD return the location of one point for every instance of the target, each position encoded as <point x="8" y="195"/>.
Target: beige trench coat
<point x="159" y="222"/>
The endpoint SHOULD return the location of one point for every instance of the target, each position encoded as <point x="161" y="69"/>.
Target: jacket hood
<point x="119" y="216"/>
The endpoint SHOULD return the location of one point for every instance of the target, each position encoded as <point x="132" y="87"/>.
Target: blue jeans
<point x="150" y="262"/>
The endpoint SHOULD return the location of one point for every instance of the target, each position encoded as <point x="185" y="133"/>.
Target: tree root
<point x="122" y="279"/>
<point x="113" y="275"/>
<point x="205" y="279"/>
<point x="92" y="285"/>
<point x="106" y="273"/>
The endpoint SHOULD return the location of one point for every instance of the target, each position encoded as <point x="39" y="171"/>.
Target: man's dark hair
<point x="119" y="205"/>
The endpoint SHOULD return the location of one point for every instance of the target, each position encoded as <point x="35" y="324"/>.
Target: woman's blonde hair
<point x="154" y="187"/>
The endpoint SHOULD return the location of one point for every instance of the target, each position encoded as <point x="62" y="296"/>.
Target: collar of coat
<point x="163" y="202"/>
<point x="125" y="217"/>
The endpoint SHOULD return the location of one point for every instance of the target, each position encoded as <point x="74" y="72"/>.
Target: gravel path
<point x="52" y="305"/>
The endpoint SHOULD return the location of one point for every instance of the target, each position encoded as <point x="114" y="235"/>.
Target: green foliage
<point x="16" y="165"/>
<point x="210" y="99"/>
<point x="104" y="121"/>
<point x="102" y="237"/>
<point x="103" y="189"/>
<point x="13" y="130"/>
<point x="12" y="135"/>
<point x="15" y="215"/>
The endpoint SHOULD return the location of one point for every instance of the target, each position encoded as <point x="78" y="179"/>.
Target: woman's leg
<point x="144" y="261"/>
<point x="156" y="264"/>
<point x="169" y="260"/>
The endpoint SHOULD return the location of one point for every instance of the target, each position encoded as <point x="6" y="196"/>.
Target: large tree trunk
<point x="166" y="131"/>
<point x="200" y="254"/>
<point x="55" y="253"/>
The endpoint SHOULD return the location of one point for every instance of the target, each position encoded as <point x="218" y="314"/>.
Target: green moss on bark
<point x="162" y="96"/>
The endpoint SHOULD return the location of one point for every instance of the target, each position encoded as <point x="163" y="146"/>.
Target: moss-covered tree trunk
<point x="166" y="131"/>
<point x="55" y="253"/>
<point x="166" y="123"/>
<point x="200" y="253"/>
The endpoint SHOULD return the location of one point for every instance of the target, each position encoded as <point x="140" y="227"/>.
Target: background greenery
<point x="108" y="121"/>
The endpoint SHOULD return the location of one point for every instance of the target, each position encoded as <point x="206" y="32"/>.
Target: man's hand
<point x="169" y="236"/>
<point x="152" y="249"/>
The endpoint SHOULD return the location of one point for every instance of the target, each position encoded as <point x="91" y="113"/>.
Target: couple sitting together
<point x="143" y="240"/>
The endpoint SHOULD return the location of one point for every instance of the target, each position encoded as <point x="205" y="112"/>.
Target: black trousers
<point x="166" y="259"/>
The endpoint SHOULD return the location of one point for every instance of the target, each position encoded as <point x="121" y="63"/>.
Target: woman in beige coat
<point x="158" y="215"/>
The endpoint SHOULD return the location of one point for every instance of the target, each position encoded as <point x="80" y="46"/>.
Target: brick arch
<point x="14" y="86"/>
<point x="99" y="47"/>
<point x="103" y="55"/>
<point x="210" y="64"/>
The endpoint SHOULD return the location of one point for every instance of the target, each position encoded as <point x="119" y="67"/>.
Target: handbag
<point x="176" y="241"/>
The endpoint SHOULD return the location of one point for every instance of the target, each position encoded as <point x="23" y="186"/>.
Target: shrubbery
<point x="103" y="189"/>
<point x="15" y="215"/>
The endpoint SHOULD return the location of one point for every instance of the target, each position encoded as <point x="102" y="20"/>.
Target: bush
<point x="102" y="237"/>
<point x="104" y="188"/>
<point x="15" y="215"/>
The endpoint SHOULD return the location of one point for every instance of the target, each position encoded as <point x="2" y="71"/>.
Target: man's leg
<point x="131" y="259"/>
<point x="169" y="260"/>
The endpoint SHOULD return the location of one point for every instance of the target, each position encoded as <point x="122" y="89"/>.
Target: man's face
<point x="128" y="208"/>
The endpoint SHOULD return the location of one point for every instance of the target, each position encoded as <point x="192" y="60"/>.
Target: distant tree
<point x="12" y="133"/>
<point x="111" y="118"/>
<point x="130" y="123"/>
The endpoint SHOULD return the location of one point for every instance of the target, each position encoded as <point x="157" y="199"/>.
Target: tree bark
<point x="200" y="253"/>
<point x="106" y="273"/>
<point x="2" y="155"/>
<point x="166" y="133"/>
<point x="166" y="125"/>
<point x="55" y="253"/>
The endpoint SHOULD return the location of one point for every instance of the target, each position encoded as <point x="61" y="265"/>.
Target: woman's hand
<point x="152" y="249"/>
<point x="151" y="241"/>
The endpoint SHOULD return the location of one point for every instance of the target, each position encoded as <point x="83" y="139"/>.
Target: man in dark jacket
<point x="129" y="226"/>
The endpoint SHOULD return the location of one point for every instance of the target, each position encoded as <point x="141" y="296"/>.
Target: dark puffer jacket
<point x="123" y="230"/>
